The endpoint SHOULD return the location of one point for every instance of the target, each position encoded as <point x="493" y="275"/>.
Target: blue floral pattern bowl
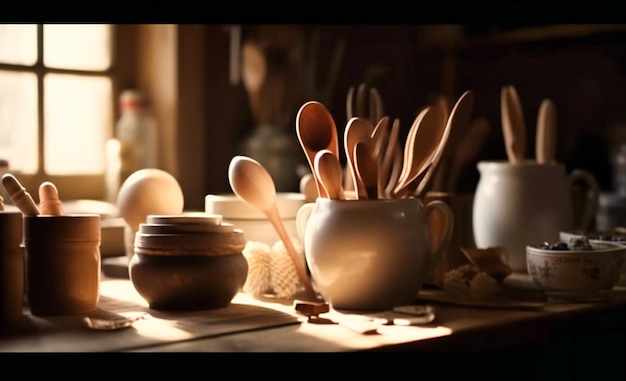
<point x="576" y="275"/>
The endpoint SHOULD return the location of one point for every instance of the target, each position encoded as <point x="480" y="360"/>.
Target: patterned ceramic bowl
<point x="617" y="236"/>
<point x="576" y="275"/>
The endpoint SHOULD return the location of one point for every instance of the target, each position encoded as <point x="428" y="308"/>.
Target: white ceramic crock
<point x="372" y="254"/>
<point x="516" y="205"/>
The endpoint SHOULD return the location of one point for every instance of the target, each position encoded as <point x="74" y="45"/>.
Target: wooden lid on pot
<point x="198" y="234"/>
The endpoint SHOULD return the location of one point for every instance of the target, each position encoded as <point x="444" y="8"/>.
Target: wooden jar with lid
<point x="186" y="262"/>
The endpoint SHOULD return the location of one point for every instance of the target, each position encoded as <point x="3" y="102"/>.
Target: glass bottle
<point x="135" y="145"/>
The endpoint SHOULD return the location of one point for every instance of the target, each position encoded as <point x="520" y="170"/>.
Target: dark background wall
<point x="583" y="72"/>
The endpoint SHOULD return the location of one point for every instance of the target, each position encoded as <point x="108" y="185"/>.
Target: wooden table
<point x="250" y="325"/>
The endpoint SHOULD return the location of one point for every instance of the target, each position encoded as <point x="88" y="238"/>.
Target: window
<point x="57" y="105"/>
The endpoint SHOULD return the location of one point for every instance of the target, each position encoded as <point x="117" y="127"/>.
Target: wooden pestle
<point x="20" y="197"/>
<point x="49" y="203"/>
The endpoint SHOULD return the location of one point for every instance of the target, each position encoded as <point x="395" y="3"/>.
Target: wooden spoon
<point x="460" y="114"/>
<point x="316" y="131"/>
<point x="546" y="132"/>
<point x="513" y="127"/>
<point x="380" y="135"/>
<point x="408" y="149"/>
<point x="426" y="141"/>
<point x="396" y="169"/>
<point x="441" y="175"/>
<point x="357" y="130"/>
<point x="377" y="110"/>
<point x="329" y="171"/>
<point x="252" y="184"/>
<point x="472" y="143"/>
<point x="366" y="166"/>
<point x="411" y="187"/>
<point x="388" y="155"/>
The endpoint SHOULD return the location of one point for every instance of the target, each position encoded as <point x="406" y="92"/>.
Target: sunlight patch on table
<point x="118" y="289"/>
<point x="387" y="335"/>
<point x="161" y="330"/>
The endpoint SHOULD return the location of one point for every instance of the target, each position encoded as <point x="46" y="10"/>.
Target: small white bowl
<point x="253" y="222"/>
<point x="576" y="275"/>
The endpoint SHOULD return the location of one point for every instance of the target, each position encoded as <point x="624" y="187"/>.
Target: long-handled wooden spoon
<point x="380" y="135"/>
<point x="329" y="171"/>
<point x="545" y="148"/>
<point x="409" y="148"/>
<point x="472" y="142"/>
<point x="513" y="127"/>
<point x="426" y="141"/>
<point x="387" y="157"/>
<point x="366" y="166"/>
<point x="357" y="130"/>
<point x="316" y="131"/>
<point x="396" y="169"/>
<point x="460" y="114"/>
<point x="252" y="184"/>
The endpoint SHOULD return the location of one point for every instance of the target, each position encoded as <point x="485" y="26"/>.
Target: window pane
<point x="77" y="123"/>
<point x="86" y="47"/>
<point x="18" y="44"/>
<point x="18" y="121"/>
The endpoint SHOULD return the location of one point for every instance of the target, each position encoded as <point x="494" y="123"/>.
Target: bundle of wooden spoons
<point x="379" y="167"/>
<point x="514" y="128"/>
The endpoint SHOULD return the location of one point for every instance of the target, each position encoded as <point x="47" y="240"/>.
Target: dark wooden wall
<point x="583" y="75"/>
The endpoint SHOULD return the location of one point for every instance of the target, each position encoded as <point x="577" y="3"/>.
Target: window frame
<point x="83" y="186"/>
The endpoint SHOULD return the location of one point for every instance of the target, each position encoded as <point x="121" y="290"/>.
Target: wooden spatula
<point x="545" y="148"/>
<point x="513" y="127"/>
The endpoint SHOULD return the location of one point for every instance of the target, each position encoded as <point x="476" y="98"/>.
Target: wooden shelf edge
<point x="542" y="33"/>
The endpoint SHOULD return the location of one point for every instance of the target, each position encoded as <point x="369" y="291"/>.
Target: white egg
<point x="149" y="191"/>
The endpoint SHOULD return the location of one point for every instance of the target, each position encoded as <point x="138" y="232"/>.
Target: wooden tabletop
<point x="251" y="325"/>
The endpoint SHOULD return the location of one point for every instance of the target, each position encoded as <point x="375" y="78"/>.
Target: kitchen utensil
<point x="368" y="104"/>
<point x="316" y="131"/>
<point x="458" y="119"/>
<point x="49" y="203"/>
<point x="19" y="196"/>
<point x="357" y="130"/>
<point x="457" y="136"/>
<point x="254" y="185"/>
<point x="380" y="135"/>
<point x="465" y="152"/>
<point x="427" y="141"/>
<point x="412" y="185"/>
<point x="396" y="170"/>
<point x="329" y="171"/>
<point x="409" y="143"/>
<point x="387" y="157"/>
<point x="546" y="132"/>
<point x="366" y="166"/>
<point x="513" y="127"/>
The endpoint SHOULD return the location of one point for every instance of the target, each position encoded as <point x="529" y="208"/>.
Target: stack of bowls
<point x="190" y="261"/>
<point x="254" y="222"/>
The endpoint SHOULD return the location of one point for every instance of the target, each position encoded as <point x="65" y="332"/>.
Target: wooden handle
<point x="513" y="127"/>
<point x="545" y="148"/>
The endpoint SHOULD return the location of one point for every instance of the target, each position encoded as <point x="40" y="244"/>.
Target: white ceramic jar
<point x="528" y="203"/>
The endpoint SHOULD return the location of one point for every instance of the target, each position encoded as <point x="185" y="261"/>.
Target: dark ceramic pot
<point x="188" y="282"/>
